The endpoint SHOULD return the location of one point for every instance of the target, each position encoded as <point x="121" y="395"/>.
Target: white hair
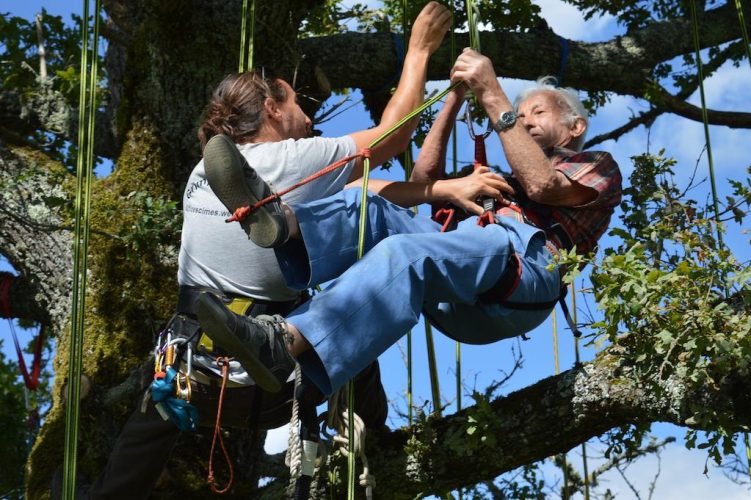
<point x="566" y="98"/>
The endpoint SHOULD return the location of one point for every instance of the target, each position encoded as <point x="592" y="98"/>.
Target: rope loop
<point x="223" y="362"/>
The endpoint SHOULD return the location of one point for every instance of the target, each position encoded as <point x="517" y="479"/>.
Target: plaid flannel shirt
<point x="584" y="224"/>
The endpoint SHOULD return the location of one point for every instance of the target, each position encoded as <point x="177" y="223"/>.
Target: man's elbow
<point x="541" y="193"/>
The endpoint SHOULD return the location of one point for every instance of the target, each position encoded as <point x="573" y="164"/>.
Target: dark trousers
<point x="138" y="458"/>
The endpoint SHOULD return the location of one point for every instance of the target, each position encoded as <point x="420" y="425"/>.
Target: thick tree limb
<point x="621" y="65"/>
<point x="29" y="183"/>
<point x="47" y="110"/>
<point x="549" y="417"/>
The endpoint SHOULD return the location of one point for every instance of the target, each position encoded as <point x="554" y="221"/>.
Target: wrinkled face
<point x="542" y="116"/>
<point x="295" y="122"/>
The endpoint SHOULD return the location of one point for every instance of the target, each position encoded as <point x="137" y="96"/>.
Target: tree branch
<point x="733" y="119"/>
<point x="569" y="409"/>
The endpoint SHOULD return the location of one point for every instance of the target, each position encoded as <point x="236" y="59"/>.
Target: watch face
<point x="506" y="121"/>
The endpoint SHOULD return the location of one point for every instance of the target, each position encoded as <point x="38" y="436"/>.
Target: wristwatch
<point x="505" y="122"/>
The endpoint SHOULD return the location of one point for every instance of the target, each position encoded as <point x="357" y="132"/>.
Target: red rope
<point x="6" y="280"/>
<point x="481" y="160"/>
<point x="242" y="212"/>
<point x="30" y="380"/>
<point x="224" y="363"/>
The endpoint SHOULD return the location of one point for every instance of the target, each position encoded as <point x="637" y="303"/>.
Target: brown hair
<point x="236" y="108"/>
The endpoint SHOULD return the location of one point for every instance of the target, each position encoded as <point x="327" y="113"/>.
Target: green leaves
<point x="679" y="299"/>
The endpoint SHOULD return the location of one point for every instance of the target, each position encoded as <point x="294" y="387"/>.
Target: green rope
<point x="746" y="44"/>
<point x="246" y="58"/>
<point x="410" y="398"/>
<point x="744" y="31"/>
<point x="435" y="389"/>
<point x="407" y="174"/>
<point x="473" y="14"/>
<point x="705" y="120"/>
<point x="454" y="169"/>
<point x="557" y="370"/>
<point x="84" y="164"/>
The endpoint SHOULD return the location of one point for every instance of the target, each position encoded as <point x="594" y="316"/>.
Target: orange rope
<point x="242" y="212"/>
<point x="224" y="364"/>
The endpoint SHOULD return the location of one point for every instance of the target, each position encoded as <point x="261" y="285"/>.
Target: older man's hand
<point x="476" y="71"/>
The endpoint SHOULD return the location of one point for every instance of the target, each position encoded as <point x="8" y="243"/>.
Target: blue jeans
<point x="409" y="267"/>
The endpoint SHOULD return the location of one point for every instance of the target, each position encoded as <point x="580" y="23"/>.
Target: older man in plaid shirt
<point x="477" y="284"/>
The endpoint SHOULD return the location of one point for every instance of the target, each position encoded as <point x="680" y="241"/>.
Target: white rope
<point x="338" y="420"/>
<point x="293" y="458"/>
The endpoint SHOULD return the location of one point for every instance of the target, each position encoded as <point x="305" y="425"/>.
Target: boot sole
<point x="225" y="171"/>
<point x="213" y="318"/>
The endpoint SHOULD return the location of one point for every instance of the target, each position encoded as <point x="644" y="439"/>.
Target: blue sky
<point x="681" y="471"/>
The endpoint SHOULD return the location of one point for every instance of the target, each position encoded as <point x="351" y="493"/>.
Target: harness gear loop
<point x="223" y="363"/>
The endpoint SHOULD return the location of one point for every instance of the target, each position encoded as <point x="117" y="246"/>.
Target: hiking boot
<point x="257" y="343"/>
<point x="237" y="185"/>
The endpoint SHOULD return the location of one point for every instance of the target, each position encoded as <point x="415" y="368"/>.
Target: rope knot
<point x="239" y="215"/>
<point x="365" y="152"/>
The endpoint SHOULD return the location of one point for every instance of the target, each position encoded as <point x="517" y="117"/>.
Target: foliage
<point x="20" y="71"/>
<point x="157" y="221"/>
<point x="665" y="293"/>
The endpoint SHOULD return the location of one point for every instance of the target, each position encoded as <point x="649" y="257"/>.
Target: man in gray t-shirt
<point x="261" y="115"/>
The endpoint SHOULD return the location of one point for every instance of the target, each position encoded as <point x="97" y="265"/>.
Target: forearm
<point x="431" y="162"/>
<point x="530" y="165"/>
<point x="405" y="194"/>
<point x="409" y="94"/>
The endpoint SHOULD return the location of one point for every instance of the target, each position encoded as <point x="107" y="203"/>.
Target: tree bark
<point x="164" y="58"/>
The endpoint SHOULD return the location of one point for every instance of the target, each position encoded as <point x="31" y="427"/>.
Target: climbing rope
<point x="578" y="362"/>
<point x="223" y="363"/>
<point x="246" y="57"/>
<point x="293" y="457"/>
<point x="744" y="31"/>
<point x="454" y="169"/>
<point x="30" y="380"/>
<point x="84" y="168"/>
<point x="705" y="120"/>
<point x="338" y="419"/>
<point x="407" y="175"/>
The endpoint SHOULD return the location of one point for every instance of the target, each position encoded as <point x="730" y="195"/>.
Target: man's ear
<point x="272" y="108"/>
<point x="578" y="127"/>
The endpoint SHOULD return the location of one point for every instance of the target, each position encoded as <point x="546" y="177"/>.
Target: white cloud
<point x="568" y="21"/>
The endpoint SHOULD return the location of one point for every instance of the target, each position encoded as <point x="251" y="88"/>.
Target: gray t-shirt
<point x="219" y="255"/>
